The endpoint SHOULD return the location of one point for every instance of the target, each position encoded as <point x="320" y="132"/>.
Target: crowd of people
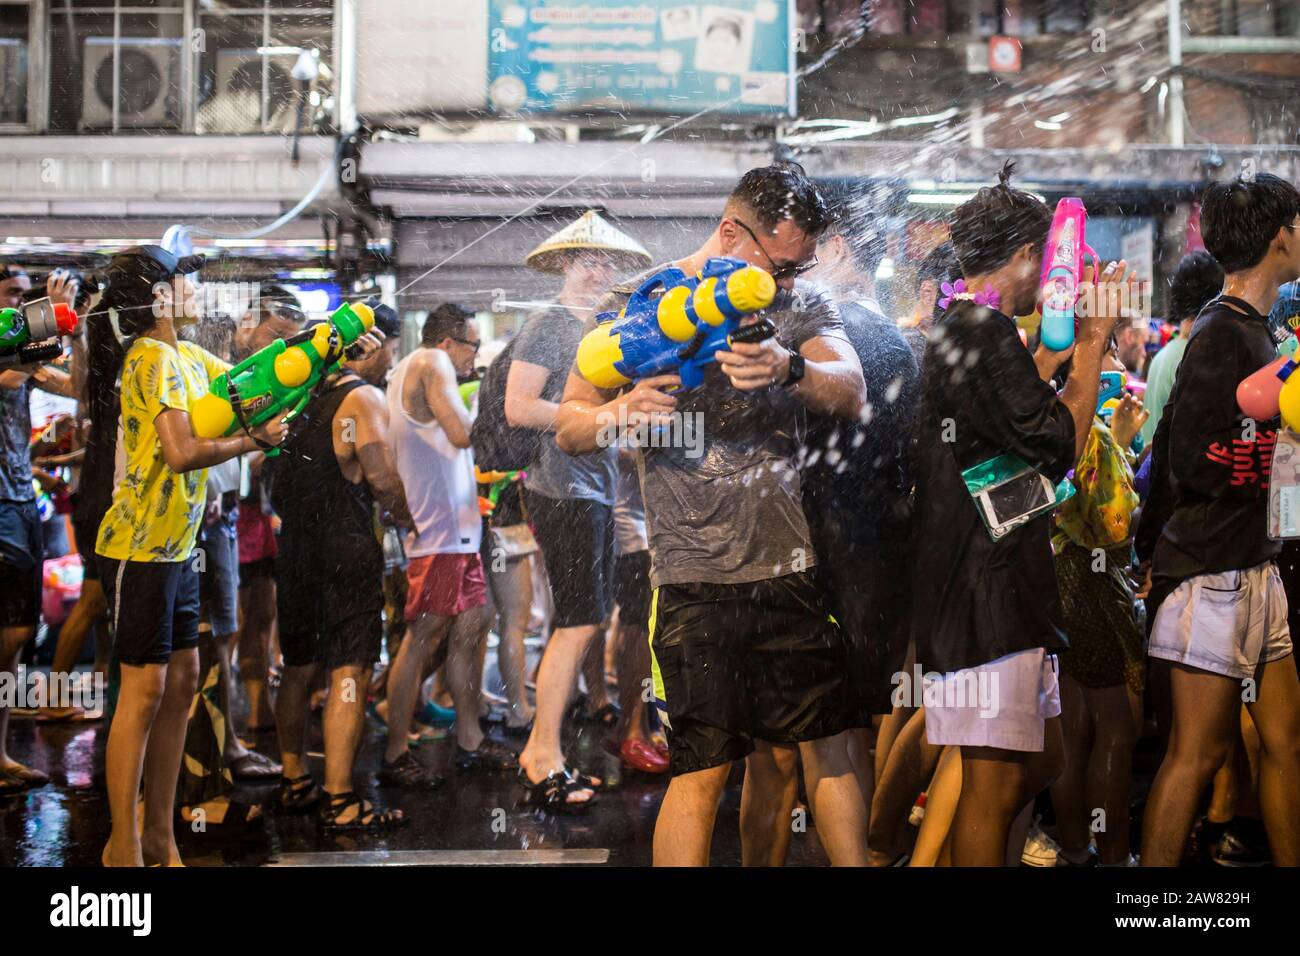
<point x="926" y="568"/>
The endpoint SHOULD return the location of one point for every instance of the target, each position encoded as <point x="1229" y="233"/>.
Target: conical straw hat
<point x="588" y="232"/>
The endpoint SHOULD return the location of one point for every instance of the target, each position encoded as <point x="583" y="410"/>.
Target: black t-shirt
<point x="861" y="466"/>
<point x="1213" y="468"/>
<point x="976" y="599"/>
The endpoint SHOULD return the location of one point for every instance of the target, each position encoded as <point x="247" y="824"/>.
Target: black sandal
<point x="490" y="756"/>
<point x="407" y="773"/>
<point x="369" y="816"/>
<point x="553" y="793"/>
<point x="606" y="716"/>
<point x="238" y="816"/>
<point x="587" y="781"/>
<point x="298" y="793"/>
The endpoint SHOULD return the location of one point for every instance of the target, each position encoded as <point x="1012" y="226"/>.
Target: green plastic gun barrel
<point x="30" y="334"/>
<point x="277" y="381"/>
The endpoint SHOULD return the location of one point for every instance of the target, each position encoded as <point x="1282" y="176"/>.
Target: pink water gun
<point x="1063" y="271"/>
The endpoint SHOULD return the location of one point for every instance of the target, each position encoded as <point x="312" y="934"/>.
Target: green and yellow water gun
<point x="279" y="380"/>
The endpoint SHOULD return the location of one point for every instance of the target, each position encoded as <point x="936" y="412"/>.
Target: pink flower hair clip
<point x="957" y="290"/>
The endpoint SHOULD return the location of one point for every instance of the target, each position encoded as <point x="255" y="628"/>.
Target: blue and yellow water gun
<point x="679" y="330"/>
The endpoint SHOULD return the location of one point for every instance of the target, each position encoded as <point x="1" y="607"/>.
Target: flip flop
<point x="255" y="766"/>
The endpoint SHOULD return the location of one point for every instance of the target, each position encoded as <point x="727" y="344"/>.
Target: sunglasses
<point x="779" y="273"/>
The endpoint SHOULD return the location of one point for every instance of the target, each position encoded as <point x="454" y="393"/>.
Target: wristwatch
<point x="797" y="369"/>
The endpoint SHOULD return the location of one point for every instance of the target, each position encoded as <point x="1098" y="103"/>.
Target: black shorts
<point x="577" y="541"/>
<point x="153" y="606"/>
<point x="252" y="570"/>
<point x="330" y="599"/>
<point x="735" y="663"/>
<point x="632" y="589"/>
<point x="22" y="559"/>
<point x="865" y="567"/>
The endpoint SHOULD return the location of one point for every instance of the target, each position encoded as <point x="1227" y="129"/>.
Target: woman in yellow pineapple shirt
<point x="146" y="539"/>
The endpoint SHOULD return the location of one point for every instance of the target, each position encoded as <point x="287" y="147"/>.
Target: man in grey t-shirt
<point x="747" y="663"/>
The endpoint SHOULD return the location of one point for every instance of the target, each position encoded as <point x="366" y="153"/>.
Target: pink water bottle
<point x="1062" y="272"/>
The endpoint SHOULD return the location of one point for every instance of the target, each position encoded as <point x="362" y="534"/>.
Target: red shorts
<point x="256" y="538"/>
<point x="444" y="584"/>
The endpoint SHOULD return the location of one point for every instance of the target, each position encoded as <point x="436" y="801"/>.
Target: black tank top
<point x="310" y="492"/>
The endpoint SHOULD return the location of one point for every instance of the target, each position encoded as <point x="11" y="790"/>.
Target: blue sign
<point x="732" y="56"/>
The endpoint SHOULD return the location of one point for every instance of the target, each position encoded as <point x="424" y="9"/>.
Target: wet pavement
<point x="66" y="823"/>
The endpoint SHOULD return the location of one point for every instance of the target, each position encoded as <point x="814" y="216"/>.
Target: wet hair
<point x="387" y="321"/>
<point x="446" y="321"/>
<point x="856" y="220"/>
<point x="940" y="265"/>
<point x="1240" y="218"/>
<point x="772" y="194"/>
<point x="214" y="333"/>
<point x="1197" y="280"/>
<point x="990" y="227"/>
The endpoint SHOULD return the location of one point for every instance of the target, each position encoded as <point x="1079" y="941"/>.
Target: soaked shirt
<point x="550" y="339"/>
<point x="1212" y="470"/>
<point x="15" y="450"/>
<point x="975" y="599"/>
<point x="155" y="514"/>
<point x="723" y="505"/>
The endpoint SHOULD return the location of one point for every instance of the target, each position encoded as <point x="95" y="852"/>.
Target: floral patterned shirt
<point x="156" y="512"/>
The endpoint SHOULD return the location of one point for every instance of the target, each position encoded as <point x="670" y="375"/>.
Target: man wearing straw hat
<point x="569" y="499"/>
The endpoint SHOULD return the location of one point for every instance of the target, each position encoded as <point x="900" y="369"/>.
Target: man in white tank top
<point x="429" y="429"/>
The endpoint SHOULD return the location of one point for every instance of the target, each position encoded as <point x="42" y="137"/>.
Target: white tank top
<point x="438" y="477"/>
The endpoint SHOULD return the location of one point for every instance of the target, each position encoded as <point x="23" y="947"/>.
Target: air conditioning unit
<point x="13" y="80"/>
<point x="236" y="103"/>
<point x="149" y="82"/>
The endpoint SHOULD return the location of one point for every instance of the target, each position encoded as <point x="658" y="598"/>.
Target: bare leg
<point x="91" y="608"/>
<point x="910" y="766"/>
<point x="555" y="680"/>
<point x="12" y="640"/>
<point x="1110" y="767"/>
<point x="138" y="703"/>
<point x="162" y="758"/>
<point x="860" y="742"/>
<point x="836" y="799"/>
<point x="464" y="674"/>
<point x="257" y="600"/>
<point x="767" y="802"/>
<point x="633" y="675"/>
<point x="291" y="714"/>
<point x="593" y="672"/>
<point x="940" y="805"/>
<point x="996" y="784"/>
<point x="1277" y="719"/>
<point x="684" y="829"/>
<point x="512" y="589"/>
<point x="343" y="723"/>
<point x="1069" y="792"/>
<point x="1205" y="708"/>
<point x="404" y="676"/>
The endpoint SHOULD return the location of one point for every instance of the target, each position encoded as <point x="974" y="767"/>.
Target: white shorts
<point x="1226" y="623"/>
<point x="1004" y="703"/>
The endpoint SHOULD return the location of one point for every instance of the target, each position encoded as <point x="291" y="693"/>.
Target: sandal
<point x="255" y="766"/>
<point x="521" y="732"/>
<point x="490" y="755"/>
<point x="408" y="773"/>
<point x="587" y="781"/>
<point x="368" y="816"/>
<point x="553" y="793"/>
<point x="298" y="793"/>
